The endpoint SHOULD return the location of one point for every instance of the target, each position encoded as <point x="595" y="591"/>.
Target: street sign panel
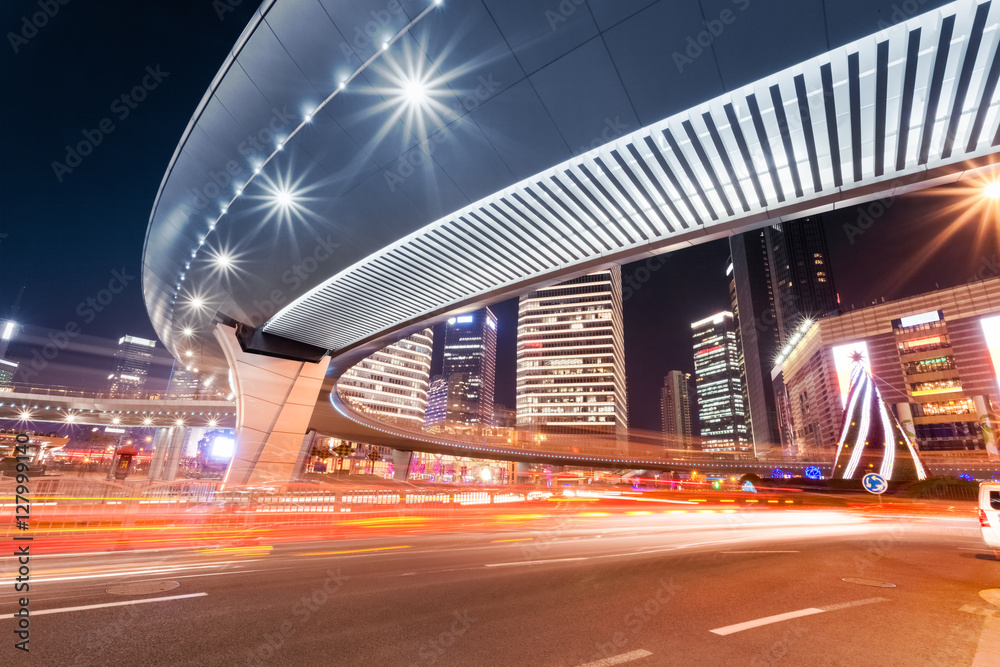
<point x="874" y="483"/>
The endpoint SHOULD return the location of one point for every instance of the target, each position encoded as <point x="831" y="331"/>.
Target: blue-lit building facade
<point x="721" y="411"/>
<point x="470" y="360"/>
<point x="436" y="413"/>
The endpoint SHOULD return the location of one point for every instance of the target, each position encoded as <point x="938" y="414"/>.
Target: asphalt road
<point x="744" y="588"/>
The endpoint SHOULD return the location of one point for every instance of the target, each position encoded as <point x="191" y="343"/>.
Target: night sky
<point x="63" y="236"/>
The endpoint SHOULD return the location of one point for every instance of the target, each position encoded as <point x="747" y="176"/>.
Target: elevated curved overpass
<point x="356" y="170"/>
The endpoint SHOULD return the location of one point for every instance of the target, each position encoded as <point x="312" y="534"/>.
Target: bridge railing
<point x="61" y="507"/>
<point x="72" y="392"/>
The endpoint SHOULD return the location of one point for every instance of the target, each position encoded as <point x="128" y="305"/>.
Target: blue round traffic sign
<point x="874" y="483"/>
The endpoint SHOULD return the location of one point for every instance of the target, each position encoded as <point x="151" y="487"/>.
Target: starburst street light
<point x="970" y="206"/>
<point x="284" y="198"/>
<point x="414" y="93"/>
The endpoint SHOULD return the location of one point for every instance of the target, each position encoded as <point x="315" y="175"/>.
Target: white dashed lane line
<point x="787" y="616"/>
<point x="619" y="659"/>
<point x="42" y="612"/>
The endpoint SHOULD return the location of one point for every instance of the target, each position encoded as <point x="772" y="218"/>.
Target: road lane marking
<point x="114" y="604"/>
<point x="854" y="603"/>
<point x="619" y="659"/>
<point x="352" y="551"/>
<point x="165" y="569"/>
<point x="778" y="618"/>
<point x="536" y="562"/>
<point x="516" y="539"/>
<point x="767" y="620"/>
<point x="761" y="552"/>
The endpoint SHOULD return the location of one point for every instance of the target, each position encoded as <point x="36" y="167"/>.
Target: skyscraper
<point x="470" y="360"/>
<point x="675" y="410"/>
<point x="781" y="276"/>
<point x="183" y="383"/>
<point x="392" y="383"/>
<point x="800" y="274"/>
<point x="132" y="361"/>
<point x="437" y="403"/>
<point x="7" y="371"/>
<point x="571" y="357"/>
<point x="721" y="413"/>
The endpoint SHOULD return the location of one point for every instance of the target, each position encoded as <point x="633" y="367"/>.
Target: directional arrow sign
<point x="874" y="483"/>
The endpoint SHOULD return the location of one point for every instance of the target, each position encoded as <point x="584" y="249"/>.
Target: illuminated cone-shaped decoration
<point x="872" y="439"/>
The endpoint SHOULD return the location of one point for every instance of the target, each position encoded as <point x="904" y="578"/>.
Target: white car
<point x="989" y="513"/>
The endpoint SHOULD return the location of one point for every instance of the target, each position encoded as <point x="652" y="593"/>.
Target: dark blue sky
<point x="66" y="235"/>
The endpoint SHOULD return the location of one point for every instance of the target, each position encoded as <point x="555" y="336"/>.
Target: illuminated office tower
<point x="781" y="278"/>
<point x="392" y="383"/>
<point x="571" y="357"/>
<point x="721" y="412"/>
<point x="470" y="360"/>
<point x="132" y="361"/>
<point x="183" y="383"/>
<point x="675" y="410"/>
<point x="7" y="371"/>
<point x="437" y="403"/>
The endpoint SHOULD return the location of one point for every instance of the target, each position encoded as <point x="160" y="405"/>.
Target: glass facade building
<point x="391" y="385"/>
<point x="470" y="360"/>
<point x="721" y="413"/>
<point x="437" y="403"/>
<point x="781" y="277"/>
<point x="675" y="410"/>
<point x="7" y="371"/>
<point x="183" y="383"/>
<point x="571" y="357"/>
<point x="132" y="361"/>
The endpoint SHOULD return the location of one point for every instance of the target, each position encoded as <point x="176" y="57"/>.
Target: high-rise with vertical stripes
<point x="571" y="357"/>
<point x="392" y="383"/>
<point x="721" y="412"/>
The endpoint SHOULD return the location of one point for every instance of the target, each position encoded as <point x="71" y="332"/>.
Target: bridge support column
<point x="177" y="437"/>
<point x="160" y="445"/>
<point x="401" y="462"/>
<point x="275" y="399"/>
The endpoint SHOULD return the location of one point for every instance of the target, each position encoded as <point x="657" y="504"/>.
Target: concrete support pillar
<point x="988" y="423"/>
<point x="401" y="462"/>
<point x="178" y="434"/>
<point x="522" y="471"/>
<point x="905" y="412"/>
<point x="305" y="452"/>
<point x="275" y="399"/>
<point x="161" y="442"/>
